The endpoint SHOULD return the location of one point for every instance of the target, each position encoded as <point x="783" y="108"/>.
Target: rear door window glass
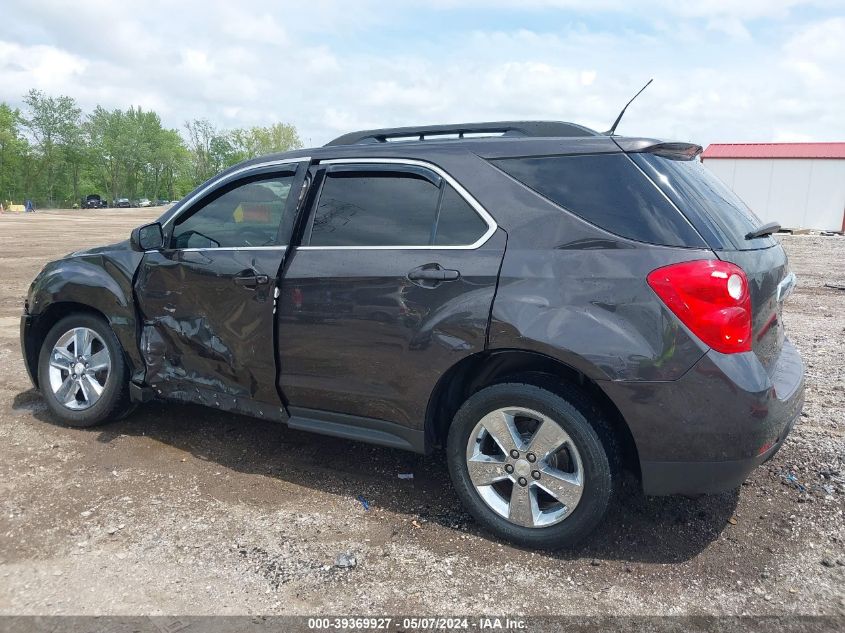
<point x="608" y="191"/>
<point x="386" y="206"/>
<point x="374" y="209"/>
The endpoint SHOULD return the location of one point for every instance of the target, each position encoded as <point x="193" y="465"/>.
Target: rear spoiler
<point x="672" y="150"/>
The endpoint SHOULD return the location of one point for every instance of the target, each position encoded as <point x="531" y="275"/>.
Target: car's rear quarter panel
<point x="577" y="293"/>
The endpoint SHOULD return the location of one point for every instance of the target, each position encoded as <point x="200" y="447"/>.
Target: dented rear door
<point x="207" y="300"/>
<point x="391" y="287"/>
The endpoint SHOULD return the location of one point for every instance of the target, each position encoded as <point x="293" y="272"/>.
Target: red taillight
<point x="711" y="298"/>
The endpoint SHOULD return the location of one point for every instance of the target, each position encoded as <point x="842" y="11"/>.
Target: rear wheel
<point x="529" y="465"/>
<point x="82" y="372"/>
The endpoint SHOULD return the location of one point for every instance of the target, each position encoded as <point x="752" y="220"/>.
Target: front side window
<point x="247" y="215"/>
<point x="380" y="207"/>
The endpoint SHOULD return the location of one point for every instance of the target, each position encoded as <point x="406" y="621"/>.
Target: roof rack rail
<point x="501" y="128"/>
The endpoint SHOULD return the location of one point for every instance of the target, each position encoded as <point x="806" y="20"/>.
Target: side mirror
<point x="149" y="237"/>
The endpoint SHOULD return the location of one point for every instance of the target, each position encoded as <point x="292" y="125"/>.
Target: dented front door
<point x="207" y="300"/>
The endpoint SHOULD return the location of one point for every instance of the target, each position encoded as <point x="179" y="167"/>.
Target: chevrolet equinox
<point x="547" y="304"/>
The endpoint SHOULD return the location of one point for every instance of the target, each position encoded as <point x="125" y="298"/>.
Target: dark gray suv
<point x="549" y="304"/>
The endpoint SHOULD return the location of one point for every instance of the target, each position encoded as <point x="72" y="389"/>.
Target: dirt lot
<point x="181" y="509"/>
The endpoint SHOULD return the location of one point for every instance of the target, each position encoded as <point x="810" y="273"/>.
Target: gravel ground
<point x="181" y="509"/>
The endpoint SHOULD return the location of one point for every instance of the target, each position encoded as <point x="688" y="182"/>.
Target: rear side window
<point x="378" y="205"/>
<point x="606" y="190"/>
<point x="716" y="211"/>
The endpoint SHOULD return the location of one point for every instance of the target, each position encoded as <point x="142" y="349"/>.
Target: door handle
<point x="433" y="274"/>
<point x="252" y="281"/>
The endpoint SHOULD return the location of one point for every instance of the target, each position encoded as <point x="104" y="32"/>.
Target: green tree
<point x="210" y="150"/>
<point x="259" y="141"/>
<point x="107" y="136"/>
<point x="54" y="154"/>
<point x="75" y="150"/>
<point x="13" y="154"/>
<point x="168" y="157"/>
<point x="135" y="155"/>
<point x="53" y="124"/>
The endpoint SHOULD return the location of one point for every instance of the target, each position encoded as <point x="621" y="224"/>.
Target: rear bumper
<point x="705" y="432"/>
<point x="692" y="478"/>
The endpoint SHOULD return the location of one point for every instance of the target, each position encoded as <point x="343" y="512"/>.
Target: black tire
<point x="589" y="432"/>
<point x="114" y="401"/>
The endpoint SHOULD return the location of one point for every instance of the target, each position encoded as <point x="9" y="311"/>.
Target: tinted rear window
<point x="606" y="190"/>
<point x="717" y="212"/>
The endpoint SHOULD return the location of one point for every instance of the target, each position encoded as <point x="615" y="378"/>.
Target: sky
<point x="724" y="70"/>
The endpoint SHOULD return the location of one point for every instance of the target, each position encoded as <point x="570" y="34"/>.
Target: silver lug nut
<point x="522" y="481"/>
<point x="515" y="454"/>
<point x="531" y="457"/>
<point x="535" y="474"/>
<point x="508" y="468"/>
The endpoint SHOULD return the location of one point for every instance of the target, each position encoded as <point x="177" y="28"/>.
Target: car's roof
<point x="490" y="147"/>
<point x="460" y="131"/>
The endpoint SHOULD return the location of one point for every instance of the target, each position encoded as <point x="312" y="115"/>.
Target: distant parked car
<point x="93" y="201"/>
<point x="122" y="203"/>
<point x="144" y="202"/>
<point x="160" y="202"/>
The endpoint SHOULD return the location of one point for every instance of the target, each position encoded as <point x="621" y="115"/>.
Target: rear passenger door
<point x="391" y="286"/>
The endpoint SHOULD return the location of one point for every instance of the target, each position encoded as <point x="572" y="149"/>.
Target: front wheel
<point x="530" y="466"/>
<point x="82" y="372"/>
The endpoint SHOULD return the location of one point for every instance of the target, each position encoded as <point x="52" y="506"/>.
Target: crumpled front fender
<point x="99" y="281"/>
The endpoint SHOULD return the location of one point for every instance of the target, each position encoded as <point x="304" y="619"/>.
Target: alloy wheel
<point x="525" y="467"/>
<point x="80" y="364"/>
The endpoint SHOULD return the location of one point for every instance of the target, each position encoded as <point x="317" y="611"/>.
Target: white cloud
<point x="785" y="136"/>
<point x="44" y="67"/>
<point x="744" y="10"/>
<point x="731" y="26"/>
<point x="238" y="22"/>
<point x="196" y="62"/>
<point x="818" y="51"/>
<point x="724" y="70"/>
<point x="588" y="77"/>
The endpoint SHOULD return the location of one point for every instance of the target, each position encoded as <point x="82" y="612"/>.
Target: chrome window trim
<point x="189" y="203"/>
<point x="476" y="206"/>
<point x="224" y="248"/>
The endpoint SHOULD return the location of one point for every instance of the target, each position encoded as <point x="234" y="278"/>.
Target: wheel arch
<point x="97" y="284"/>
<point x="475" y="372"/>
<point x="43" y="322"/>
